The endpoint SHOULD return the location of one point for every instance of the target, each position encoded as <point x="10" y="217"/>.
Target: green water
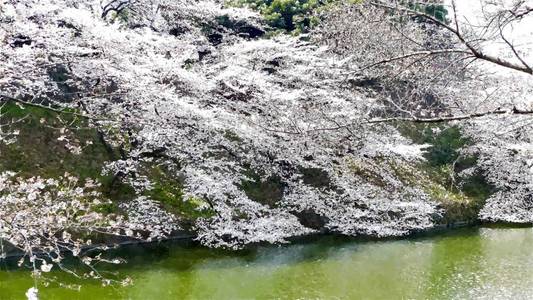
<point x="475" y="263"/>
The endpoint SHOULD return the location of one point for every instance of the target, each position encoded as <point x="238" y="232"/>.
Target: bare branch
<point x="474" y="51"/>
<point x="513" y="48"/>
<point x="413" y="54"/>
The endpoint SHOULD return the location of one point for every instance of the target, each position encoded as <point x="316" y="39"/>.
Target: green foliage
<point x="121" y="16"/>
<point x="368" y="170"/>
<point x="298" y="16"/>
<point x="295" y="16"/>
<point x="444" y="161"/>
<point x="445" y="141"/>
<point x="107" y="208"/>
<point x="38" y="152"/>
<point x="459" y="205"/>
<point x="436" y="10"/>
<point x="315" y="177"/>
<point x="168" y="191"/>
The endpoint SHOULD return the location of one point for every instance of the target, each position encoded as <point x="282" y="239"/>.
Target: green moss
<point x="168" y="191"/>
<point x="38" y="152"/>
<point x="458" y="205"/>
<point x="107" y="208"/>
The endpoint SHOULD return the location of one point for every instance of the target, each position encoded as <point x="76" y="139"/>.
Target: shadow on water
<point x="186" y="254"/>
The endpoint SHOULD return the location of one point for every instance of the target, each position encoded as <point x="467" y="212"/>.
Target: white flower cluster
<point x="146" y="216"/>
<point x="223" y="106"/>
<point x="275" y="135"/>
<point x="47" y="220"/>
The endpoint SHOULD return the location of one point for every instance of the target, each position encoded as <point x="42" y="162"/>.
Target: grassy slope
<point x="38" y="152"/>
<point x="461" y="197"/>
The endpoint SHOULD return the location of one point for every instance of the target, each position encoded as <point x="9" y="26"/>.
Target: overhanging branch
<point x="513" y="111"/>
<point x="471" y="48"/>
<point x="414" y="54"/>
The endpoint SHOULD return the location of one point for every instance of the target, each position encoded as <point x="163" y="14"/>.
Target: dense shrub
<point x="289" y="15"/>
<point x="298" y="16"/>
<point x="436" y="10"/>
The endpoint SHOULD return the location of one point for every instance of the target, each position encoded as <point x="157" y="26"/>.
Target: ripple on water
<point x="475" y="263"/>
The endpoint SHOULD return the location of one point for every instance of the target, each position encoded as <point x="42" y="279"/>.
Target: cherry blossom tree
<point x="426" y="64"/>
<point x="49" y="219"/>
<point x="267" y="138"/>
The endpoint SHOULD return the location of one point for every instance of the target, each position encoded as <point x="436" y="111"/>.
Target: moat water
<point x="470" y="263"/>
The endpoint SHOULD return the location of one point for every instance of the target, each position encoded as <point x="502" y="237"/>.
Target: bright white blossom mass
<point x="239" y="137"/>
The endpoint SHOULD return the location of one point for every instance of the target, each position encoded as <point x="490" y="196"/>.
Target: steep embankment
<point x="243" y="138"/>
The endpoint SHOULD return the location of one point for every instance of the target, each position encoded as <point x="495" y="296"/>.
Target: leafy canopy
<point x="289" y="15"/>
<point x="438" y="11"/>
<point x="298" y="16"/>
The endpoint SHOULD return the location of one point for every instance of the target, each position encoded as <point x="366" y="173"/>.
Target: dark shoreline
<point x="188" y="238"/>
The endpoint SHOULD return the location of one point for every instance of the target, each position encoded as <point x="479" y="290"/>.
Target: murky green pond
<point x="475" y="263"/>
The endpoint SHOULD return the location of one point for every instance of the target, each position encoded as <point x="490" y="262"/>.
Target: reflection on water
<point x="476" y="263"/>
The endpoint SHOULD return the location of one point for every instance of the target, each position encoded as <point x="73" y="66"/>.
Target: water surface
<point x="474" y="263"/>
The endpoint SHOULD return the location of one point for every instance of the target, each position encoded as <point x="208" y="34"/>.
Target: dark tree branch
<point x="513" y="111"/>
<point x="520" y="14"/>
<point x="413" y="54"/>
<point x="116" y="6"/>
